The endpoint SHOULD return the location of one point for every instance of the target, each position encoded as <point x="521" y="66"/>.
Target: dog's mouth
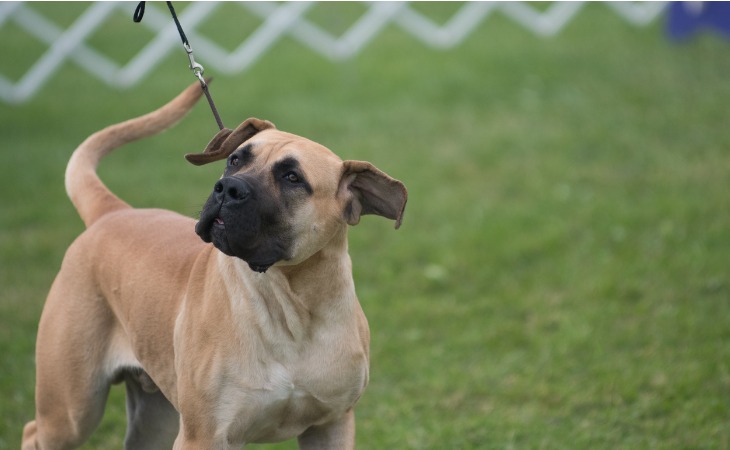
<point x="219" y="237"/>
<point x="259" y="268"/>
<point x="242" y="234"/>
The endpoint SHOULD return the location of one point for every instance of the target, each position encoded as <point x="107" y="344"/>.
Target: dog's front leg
<point x="335" y="435"/>
<point x="199" y="438"/>
<point x="188" y="443"/>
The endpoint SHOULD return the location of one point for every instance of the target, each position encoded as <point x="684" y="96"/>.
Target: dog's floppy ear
<point x="227" y="141"/>
<point x="371" y="191"/>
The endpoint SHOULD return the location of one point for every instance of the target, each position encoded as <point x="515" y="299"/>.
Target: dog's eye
<point x="233" y="160"/>
<point x="291" y="177"/>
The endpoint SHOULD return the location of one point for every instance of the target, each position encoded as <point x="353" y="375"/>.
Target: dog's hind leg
<point x="152" y="422"/>
<point x="71" y="383"/>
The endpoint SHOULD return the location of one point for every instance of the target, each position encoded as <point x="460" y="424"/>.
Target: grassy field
<point x="562" y="276"/>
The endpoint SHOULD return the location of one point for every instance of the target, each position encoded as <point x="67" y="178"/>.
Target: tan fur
<point x="89" y="195"/>
<point x="214" y="355"/>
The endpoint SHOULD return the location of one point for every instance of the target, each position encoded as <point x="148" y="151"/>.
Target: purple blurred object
<point x="684" y="19"/>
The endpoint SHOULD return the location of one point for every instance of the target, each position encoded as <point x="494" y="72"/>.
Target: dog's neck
<point x="295" y="299"/>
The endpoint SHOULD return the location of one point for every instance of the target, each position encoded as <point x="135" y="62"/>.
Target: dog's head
<point x="283" y="197"/>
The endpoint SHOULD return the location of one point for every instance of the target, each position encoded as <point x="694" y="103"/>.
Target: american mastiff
<point x="243" y="327"/>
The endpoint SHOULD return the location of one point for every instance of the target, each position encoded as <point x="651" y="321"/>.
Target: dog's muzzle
<point x="242" y="220"/>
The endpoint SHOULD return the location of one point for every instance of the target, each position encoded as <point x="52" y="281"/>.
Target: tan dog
<point x="258" y="337"/>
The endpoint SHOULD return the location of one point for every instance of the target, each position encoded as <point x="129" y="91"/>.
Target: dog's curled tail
<point x="87" y="192"/>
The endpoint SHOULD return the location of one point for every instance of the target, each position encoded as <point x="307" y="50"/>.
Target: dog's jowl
<point x="243" y="327"/>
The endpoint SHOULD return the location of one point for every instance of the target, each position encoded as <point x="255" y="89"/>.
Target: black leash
<point x="194" y="66"/>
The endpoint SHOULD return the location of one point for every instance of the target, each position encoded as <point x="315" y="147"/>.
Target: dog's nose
<point x="232" y="188"/>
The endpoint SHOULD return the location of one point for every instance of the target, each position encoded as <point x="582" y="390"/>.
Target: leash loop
<point x="139" y="12"/>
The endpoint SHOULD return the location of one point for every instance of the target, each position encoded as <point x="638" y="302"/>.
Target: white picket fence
<point x="278" y="20"/>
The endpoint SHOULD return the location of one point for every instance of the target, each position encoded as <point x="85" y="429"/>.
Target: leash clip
<point x="194" y="66"/>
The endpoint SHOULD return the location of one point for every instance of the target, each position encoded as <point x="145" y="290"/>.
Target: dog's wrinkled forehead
<point x="274" y="147"/>
<point x="276" y="155"/>
<point x="269" y="148"/>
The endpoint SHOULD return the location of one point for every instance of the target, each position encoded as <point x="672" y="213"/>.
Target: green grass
<point x="562" y="277"/>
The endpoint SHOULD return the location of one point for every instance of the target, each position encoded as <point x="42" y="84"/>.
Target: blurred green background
<point x="562" y="276"/>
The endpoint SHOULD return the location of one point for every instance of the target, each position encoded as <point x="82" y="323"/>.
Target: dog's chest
<point x="296" y="367"/>
<point x="287" y="398"/>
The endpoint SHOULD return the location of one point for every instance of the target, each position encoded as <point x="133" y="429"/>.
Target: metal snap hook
<point x="197" y="68"/>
